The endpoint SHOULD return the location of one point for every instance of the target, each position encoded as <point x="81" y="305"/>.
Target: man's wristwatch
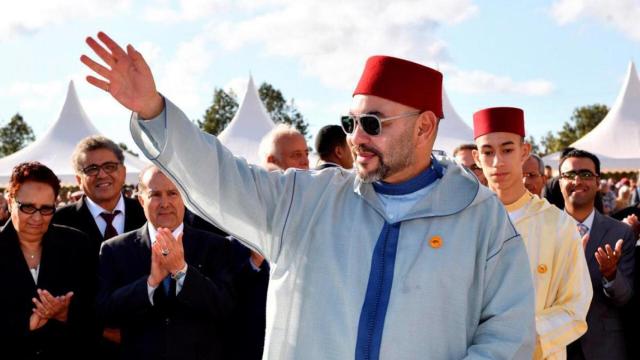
<point x="180" y="273"/>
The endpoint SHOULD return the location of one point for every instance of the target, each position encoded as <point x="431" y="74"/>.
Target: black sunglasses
<point x="370" y="123"/>
<point x="108" y="167"/>
<point x="45" y="210"/>
<point x="575" y="174"/>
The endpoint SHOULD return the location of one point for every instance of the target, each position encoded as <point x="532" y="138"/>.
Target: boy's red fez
<point x="402" y="81"/>
<point x="498" y="119"/>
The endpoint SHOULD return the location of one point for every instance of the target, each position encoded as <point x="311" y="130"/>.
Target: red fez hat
<point x="402" y="81"/>
<point x="498" y="119"/>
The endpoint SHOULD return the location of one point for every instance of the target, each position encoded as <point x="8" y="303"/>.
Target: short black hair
<point x="577" y="153"/>
<point x="328" y="138"/>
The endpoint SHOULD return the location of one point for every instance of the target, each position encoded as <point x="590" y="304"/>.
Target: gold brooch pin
<point x="542" y="268"/>
<point x="435" y="242"/>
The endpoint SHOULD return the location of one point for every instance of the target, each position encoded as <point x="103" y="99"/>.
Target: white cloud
<point x="480" y="82"/>
<point x="30" y="16"/>
<point x="180" y="78"/>
<point x="34" y="95"/>
<point x="183" y="10"/>
<point x="621" y="14"/>
<point x="237" y="85"/>
<point x="332" y="39"/>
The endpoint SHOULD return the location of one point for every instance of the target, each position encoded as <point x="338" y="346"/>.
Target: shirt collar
<point x="96" y="209"/>
<point x="588" y="222"/>
<point x="153" y="231"/>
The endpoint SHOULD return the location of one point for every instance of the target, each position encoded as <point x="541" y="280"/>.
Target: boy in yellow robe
<point x="558" y="266"/>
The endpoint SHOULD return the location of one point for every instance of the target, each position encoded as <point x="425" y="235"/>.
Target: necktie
<point x="583" y="229"/>
<point x="109" y="231"/>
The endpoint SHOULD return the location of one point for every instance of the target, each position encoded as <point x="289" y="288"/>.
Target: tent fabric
<point x="55" y="147"/>
<point x="452" y="131"/>
<point x="616" y="140"/>
<point x="249" y="125"/>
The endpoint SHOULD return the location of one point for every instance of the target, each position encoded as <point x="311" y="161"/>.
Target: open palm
<point x="127" y="78"/>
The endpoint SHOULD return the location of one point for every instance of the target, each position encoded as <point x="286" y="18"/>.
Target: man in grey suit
<point x="609" y="248"/>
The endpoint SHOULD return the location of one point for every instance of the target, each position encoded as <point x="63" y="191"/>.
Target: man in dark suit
<point x="103" y="212"/>
<point x="166" y="285"/>
<point x="609" y="248"/>
<point x="332" y="148"/>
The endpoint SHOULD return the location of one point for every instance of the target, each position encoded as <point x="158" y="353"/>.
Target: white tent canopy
<point x="616" y="140"/>
<point x="452" y="131"/>
<point x="249" y="125"/>
<point x="55" y="147"/>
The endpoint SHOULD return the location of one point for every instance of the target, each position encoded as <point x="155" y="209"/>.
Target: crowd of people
<point x="382" y="250"/>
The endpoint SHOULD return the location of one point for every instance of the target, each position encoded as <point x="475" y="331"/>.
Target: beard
<point x="400" y="156"/>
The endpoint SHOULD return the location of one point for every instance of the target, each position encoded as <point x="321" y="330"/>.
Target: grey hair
<point x="268" y="142"/>
<point x="540" y="163"/>
<point x="91" y="143"/>
<point x="146" y="169"/>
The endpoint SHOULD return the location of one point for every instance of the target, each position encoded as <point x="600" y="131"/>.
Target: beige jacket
<point x="560" y="274"/>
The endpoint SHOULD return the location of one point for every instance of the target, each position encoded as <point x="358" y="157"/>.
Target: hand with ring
<point x="157" y="273"/>
<point x="174" y="258"/>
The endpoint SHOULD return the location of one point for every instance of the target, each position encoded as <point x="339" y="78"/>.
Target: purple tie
<point x="109" y="231"/>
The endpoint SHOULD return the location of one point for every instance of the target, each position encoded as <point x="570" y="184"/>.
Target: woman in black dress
<point x="48" y="287"/>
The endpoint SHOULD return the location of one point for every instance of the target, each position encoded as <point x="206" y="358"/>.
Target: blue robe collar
<point x="422" y="180"/>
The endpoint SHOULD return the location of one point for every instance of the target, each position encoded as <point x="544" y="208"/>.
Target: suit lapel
<point x="189" y="245"/>
<point x="87" y="218"/>
<point x="11" y="252"/>
<point x="596" y="237"/>
<point x="143" y="247"/>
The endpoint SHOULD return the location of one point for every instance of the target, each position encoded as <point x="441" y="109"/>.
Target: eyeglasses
<point x="108" y="167"/>
<point x="575" y="174"/>
<point x="370" y="123"/>
<point x="531" y="175"/>
<point x="44" y="210"/>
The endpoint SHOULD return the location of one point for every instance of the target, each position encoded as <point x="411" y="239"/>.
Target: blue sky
<point x="544" y="56"/>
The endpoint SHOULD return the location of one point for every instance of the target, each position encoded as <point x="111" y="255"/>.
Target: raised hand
<point x="608" y="258"/>
<point x="632" y="221"/>
<point x="127" y="78"/>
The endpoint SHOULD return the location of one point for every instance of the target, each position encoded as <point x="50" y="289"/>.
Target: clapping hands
<point x="49" y="307"/>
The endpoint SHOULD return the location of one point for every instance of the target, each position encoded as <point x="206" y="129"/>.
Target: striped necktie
<point x="583" y="229"/>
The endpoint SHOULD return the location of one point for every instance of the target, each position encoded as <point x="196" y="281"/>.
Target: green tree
<point x="549" y="142"/>
<point x="535" y="148"/>
<point x="15" y="135"/>
<point x="280" y="110"/>
<point x="220" y="113"/>
<point x="583" y="120"/>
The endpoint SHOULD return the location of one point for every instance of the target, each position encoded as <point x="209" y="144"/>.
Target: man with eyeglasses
<point x="609" y="250"/>
<point x="463" y="155"/>
<point x="102" y="212"/>
<point x="533" y="174"/>
<point x="404" y="258"/>
<point x="558" y="267"/>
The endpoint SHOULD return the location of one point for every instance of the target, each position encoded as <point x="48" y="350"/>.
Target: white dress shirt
<point x="96" y="210"/>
